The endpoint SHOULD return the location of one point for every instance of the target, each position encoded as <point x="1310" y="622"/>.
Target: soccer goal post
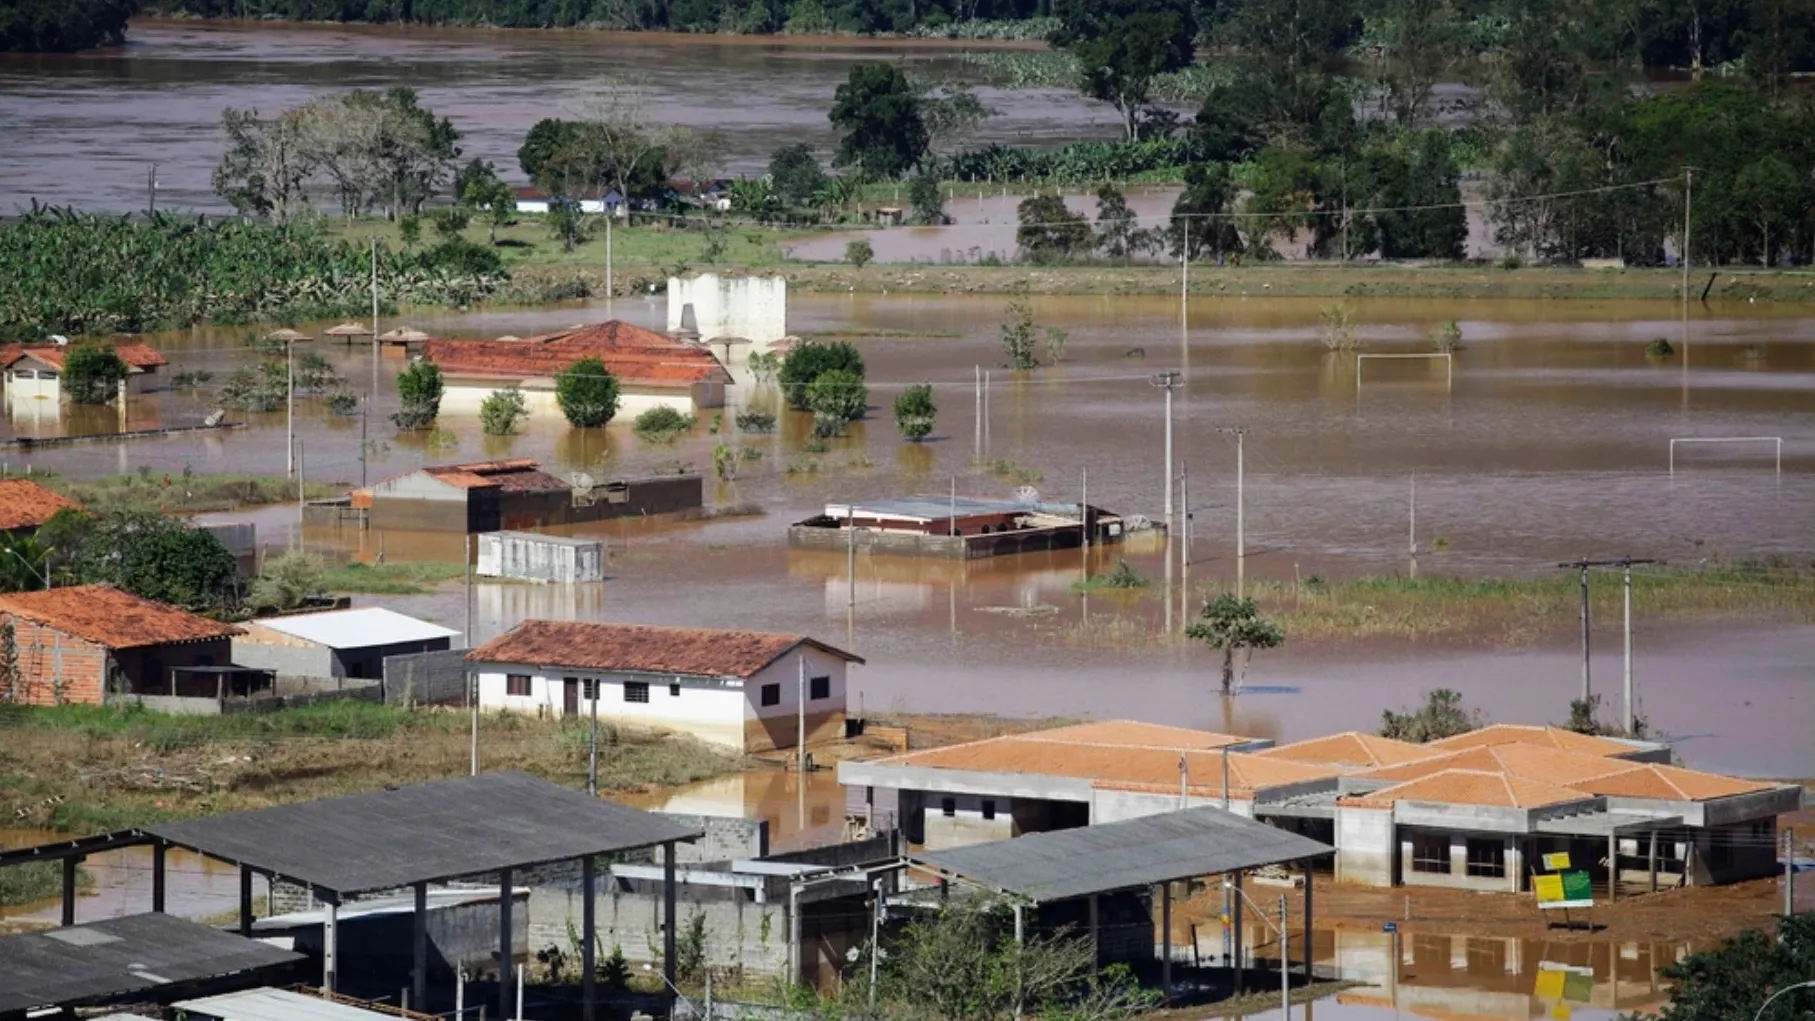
<point x="1776" y="441"/>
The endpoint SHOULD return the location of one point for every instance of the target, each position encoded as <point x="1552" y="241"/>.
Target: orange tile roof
<point x="113" y="618"/>
<point x="642" y="648"/>
<point x="1549" y="737"/>
<point x="1532" y="762"/>
<point x="1668" y="783"/>
<point x="1133" y="733"/>
<point x="1352" y="748"/>
<point x="26" y="504"/>
<point x="636" y="356"/>
<point x="1473" y="787"/>
<point x="1248" y="773"/>
<point x="135" y="353"/>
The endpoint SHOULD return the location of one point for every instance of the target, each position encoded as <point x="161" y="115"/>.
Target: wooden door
<point x="570" y="697"/>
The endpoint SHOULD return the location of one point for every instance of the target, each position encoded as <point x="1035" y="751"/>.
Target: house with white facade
<point x="748" y="691"/>
<point x="35" y="371"/>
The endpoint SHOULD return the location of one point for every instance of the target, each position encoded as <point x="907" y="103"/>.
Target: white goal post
<point x="1449" y="363"/>
<point x="1778" y="440"/>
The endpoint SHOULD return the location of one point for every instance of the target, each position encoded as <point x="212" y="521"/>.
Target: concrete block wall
<point x="740" y="932"/>
<point x="1457" y="878"/>
<point x="425" y="678"/>
<point x="727" y="838"/>
<point x="1367" y="846"/>
<point x="966" y="824"/>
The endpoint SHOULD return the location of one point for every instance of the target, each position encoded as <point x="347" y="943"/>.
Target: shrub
<point x="419" y="387"/>
<point x="838" y="396"/>
<point x="288" y="581"/>
<point x="1050" y="232"/>
<point x="808" y="362"/>
<point x="926" y="199"/>
<point x="1018" y="335"/>
<point x="343" y="403"/>
<point x="859" y="253"/>
<point x="1446" y="338"/>
<point x="755" y="421"/>
<point x="660" y="424"/>
<point x="1441" y="716"/>
<point x="915" y="411"/>
<point x="92" y="375"/>
<point x="501" y="410"/>
<point x="1659" y="348"/>
<point x="587" y="393"/>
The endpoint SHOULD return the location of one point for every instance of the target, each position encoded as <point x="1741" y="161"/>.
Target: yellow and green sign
<point x="1563" y="890"/>
<point x="1556" y="861"/>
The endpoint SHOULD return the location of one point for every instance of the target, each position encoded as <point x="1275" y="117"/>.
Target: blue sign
<point x="1390" y="927"/>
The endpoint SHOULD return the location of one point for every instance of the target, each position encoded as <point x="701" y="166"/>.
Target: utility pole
<point x="364" y="406"/>
<point x="1168" y="381"/>
<point x="1184" y="784"/>
<point x="1626" y="565"/>
<point x="374" y="316"/>
<point x="151" y="188"/>
<point x="592" y="754"/>
<point x="610" y="291"/>
<point x="977" y="441"/>
<point x="1789" y="872"/>
<point x="1584" y="566"/>
<point x="850" y="546"/>
<point x="1241" y="507"/>
<point x="1688" y="205"/>
<point x="289" y="407"/>
<point x="800" y="721"/>
<point x="469" y="591"/>
<point x="1412" y="528"/>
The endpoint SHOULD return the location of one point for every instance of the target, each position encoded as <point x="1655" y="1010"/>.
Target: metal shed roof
<point x="1060" y="865"/>
<point x="359" y="628"/>
<point x="98" y="961"/>
<point x="424" y="833"/>
<point x="266" y="1004"/>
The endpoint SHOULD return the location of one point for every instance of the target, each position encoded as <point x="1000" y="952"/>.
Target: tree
<point x="265" y="169"/>
<point x="1420" y="42"/>
<point x="480" y="187"/>
<point x="837" y="397"/>
<point x="1733" y="981"/>
<point x="614" y="145"/>
<point x="878" y="110"/>
<point x="288" y="581"/>
<point x="1201" y="224"/>
<point x="1049" y="231"/>
<point x="1441" y="716"/>
<point x="915" y="411"/>
<point x="796" y="175"/>
<point x="926" y="199"/>
<point x="145" y="553"/>
<point x="1121" y="46"/>
<point x="1018" y="335"/>
<point x="1772" y="194"/>
<point x="63" y="26"/>
<point x="1119" y="235"/>
<point x="92" y="374"/>
<point x="546" y="138"/>
<point x="1231" y="623"/>
<point x="450" y="221"/>
<point x="807" y="362"/>
<point x="419" y="390"/>
<point x="24" y="566"/>
<point x="501" y="410"/>
<point x="859" y="253"/>
<point x="587" y="393"/>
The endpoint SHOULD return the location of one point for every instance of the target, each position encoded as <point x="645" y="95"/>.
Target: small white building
<point x="748" y="691"/>
<point x="530" y="556"/>
<point x="35" y="371"/>
<point x="753" y="309"/>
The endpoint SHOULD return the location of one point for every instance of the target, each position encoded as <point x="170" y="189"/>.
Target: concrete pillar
<point x="1165" y="942"/>
<point x="419" y="940"/>
<point x="589" y="953"/>
<point x="1651" y="859"/>
<point x="1613" y="867"/>
<point x="70" y="864"/>
<point x="1235" y="932"/>
<point x="245" y="901"/>
<point x="505" y="951"/>
<point x="330" y="940"/>
<point x="158" y="852"/>
<point x="671" y="924"/>
<point x="1096" y="938"/>
<point x="1309" y="921"/>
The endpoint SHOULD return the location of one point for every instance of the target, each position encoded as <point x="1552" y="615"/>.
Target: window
<point x="674" y="690"/>
<point x="819" y="687"/>
<point x="1487" y="857"/>
<point x="771" y="694"/>
<point x="46" y="374"/>
<point x="1430" y="853"/>
<point x="516" y="684"/>
<point x="589" y="688"/>
<point x="636" y="691"/>
<point x="989" y="808"/>
<point x="948" y="807"/>
<point x="24" y="374"/>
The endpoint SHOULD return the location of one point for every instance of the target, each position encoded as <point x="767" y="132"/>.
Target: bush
<point x="257" y="388"/>
<point x="343" y="403"/>
<point x="288" y="581"/>
<point x="756" y="421"/>
<point x="1659" y="348"/>
<point x="451" y="220"/>
<point x="419" y="387"/>
<point x="808" y="362"/>
<point x="92" y="375"/>
<point x="859" y="253"/>
<point x="1442" y="716"/>
<point x="587" y="393"/>
<point x="501" y="410"/>
<point x="915" y="411"/>
<point x="660" y="424"/>
<point x="837" y="397"/>
<point x="1446" y="338"/>
<point x="926" y="199"/>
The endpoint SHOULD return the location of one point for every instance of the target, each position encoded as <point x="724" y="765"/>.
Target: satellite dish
<point x="584" y="490"/>
<point x="59" y="340"/>
<point x="1026" y="494"/>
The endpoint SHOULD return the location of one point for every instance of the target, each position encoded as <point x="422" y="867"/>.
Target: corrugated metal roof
<point x="423" y="833"/>
<point x="267" y="1004"/>
<point x="357" y="628"/>
<point x="1046" y="867"/>
<point x="97" y="961"/>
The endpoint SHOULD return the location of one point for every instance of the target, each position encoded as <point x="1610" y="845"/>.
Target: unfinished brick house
<point x="91" y="644"/>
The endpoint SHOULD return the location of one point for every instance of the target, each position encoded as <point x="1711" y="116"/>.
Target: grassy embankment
<point x="1494" y="611"/>
<point x="83" y="769"/>
<point x="194" y="494"/>
<point x="542" y="269"/>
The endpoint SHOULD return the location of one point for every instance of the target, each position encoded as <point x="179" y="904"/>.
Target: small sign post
<point x="1564" y="890"/>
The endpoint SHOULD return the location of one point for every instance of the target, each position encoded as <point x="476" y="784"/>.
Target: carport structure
<point x="408" y="837"/>
<point x="1133" y="855"/>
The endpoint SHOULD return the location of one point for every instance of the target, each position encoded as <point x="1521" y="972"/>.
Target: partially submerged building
<point x="36" y="370"/>
<point x="529" y="556"/>
<point x="747" y="313"/>
<point x="490" y="496"/>
<point x="94" y="644"/>
<point x="652" y="369"/>
<point x="745" y="690"/>
<point x="955" y="527"/>
<point x="1473" y="811"/>
<point x="336" y="643"/>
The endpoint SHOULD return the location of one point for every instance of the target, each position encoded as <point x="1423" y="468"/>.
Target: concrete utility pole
<point x="374" y="315"/>
<point x="1168" y="381"/>
<point x="289" y="408"/>
<point x="977" y="440"/>
<point x="1789" y="872"/>
<point x="1688" y="206"/>
<point x="1241" y="506"/>
<point x="1626" y="565"/>
<point x="1583" y="566"/>
<point x="800" y="721"/>
<point x="151" y="189"/>
<point x="592" y="753"/>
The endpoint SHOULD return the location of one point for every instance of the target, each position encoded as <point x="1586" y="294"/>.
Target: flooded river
<point x="1551" y="442"/>
<point x="88" y="128"/>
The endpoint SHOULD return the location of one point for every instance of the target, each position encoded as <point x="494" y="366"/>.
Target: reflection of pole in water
<point x="1412" y="528"/>
<point x="977" y="440"/>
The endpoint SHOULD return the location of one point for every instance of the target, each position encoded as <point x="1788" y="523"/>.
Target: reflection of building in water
<point x="33" y="414"/>
<point x="795" y="817"/>
<point x="499" y="607"/>
<point x="956" y="527"/>
<point x="914" y="584"/>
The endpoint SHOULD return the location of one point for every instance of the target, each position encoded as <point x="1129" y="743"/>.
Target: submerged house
<point x="36" y="370"/>
<point x="745" y="690"/>
<point x="489" y="496"/>
<point x="955" y="527"/>
<point x="1474" y="811"/>
<point x="652" y="369"/>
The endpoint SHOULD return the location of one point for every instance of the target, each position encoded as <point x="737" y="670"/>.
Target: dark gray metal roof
<point x="424" y="833"/>
<point x="98" y="961"/>
<point x="1126" y="855"/>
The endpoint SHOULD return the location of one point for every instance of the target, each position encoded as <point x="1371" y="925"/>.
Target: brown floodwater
<point x="87" y="128"/>
<point x="1550" y="443"/>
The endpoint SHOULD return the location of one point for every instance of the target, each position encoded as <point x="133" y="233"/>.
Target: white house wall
<point x="705" y="709"/>
<point x="465" y="400"/>
<point x="774" y="726"/>
<point x="754" y="308"/>
<point x="1365" y="843"/>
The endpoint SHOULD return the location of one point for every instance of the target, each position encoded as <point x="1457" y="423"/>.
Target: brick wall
<point x="56" y="668"/>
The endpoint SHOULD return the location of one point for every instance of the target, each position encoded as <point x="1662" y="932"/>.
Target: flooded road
<point x="1550" y="442"/>
<point x="87" y="129"/>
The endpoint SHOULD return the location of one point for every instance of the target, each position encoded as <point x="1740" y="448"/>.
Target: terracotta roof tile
<point x="1473" y="787"/>
<point x="1549" y="737"/>
<point x="26" y="504"/>
<point x="517" y="475"/>
<point x="1352" y="748"/>
<point x="638" y="357"/>
<point x="1668" y="783"/>
<point x="1533" y="762"/>
<point x="135" y="353"/>
<point x="113" y="618"/>
<point x="642" y="648"/>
